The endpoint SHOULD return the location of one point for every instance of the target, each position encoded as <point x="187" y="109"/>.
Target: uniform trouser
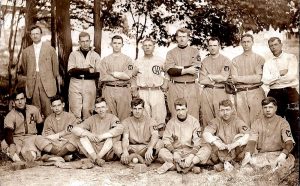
<point x="210" y="99"/>
<point x="288" y="107"/>
<point x="190" y="92"/>
<point x="97" y="147"/>
<point x="203" y="154"/>
<point x="41" y="142"/>
<point x="82" y="95"/>
<point x="262" y="159"/>
<point x="154" y="104"/>
<point x="40" y="98"/>
<point x="139" y="149"/>
<point x="23" y="145"/>
<point x="248" y="105"/>
<point x="118" y="100"/>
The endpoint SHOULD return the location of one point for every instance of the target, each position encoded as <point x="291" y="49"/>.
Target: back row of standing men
<point x="183" y="71"/>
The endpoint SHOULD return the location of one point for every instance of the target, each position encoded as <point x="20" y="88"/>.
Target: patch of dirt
<point x="114" y="173"/>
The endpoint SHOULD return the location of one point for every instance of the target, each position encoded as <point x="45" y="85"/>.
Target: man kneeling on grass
<point x="184" y="146"/>
<point x="95" y="129"/>
<point x="56" y="138"/>
<point x="140" y="137"/>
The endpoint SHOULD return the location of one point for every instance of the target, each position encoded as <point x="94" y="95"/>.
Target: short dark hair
<point x="137" y="101"/>
<point x="83" y="34"/>
<point x="99" y="100"/>
<point x="180" y="102"/>
<point x="247" y="35"/>
<point x="183" y="30"/>
<point x="55" y="98"/>
<point x="272" y="39"/>
<point x="148" y="39"/>
<point x="117" y="37"/>
<point x="214" y="39"/>
<point x="18" y="91"/>
<point x="268" y="100"/>
<point x="226" y="103"/>
<point x="35" y="27"/>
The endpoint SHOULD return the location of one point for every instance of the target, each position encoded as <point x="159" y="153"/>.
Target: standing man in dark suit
<point x="40" y="66"/>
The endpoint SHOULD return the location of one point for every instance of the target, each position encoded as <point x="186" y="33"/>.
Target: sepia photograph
<point x="149" y="92"/>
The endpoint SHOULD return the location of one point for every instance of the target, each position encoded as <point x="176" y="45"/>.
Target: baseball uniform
<point x="117" y="92"/>
<point x="213" y="92"/>
<point x="248" y="68"/>
<point x="82" y="88"/>
<point x="149" y="80"/>
<point x="183" y="86"/>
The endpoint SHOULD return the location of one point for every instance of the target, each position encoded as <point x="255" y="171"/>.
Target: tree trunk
<point x="64" y="41"/>
<point x="98" y="25"/>
<point x="30" y="19"/>
<point x="53" y="24"/>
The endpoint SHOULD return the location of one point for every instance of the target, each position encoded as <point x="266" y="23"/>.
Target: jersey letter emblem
<point x="156" y="70"/>
<point x="226" y="68"/>
<point x="130" y="67"/>
<point x="288" y="133"/>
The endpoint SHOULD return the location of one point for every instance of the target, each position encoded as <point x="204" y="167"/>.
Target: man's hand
<point x="220" y="145"/>
<point x="59" y="80"/>
<point x="12" y="149"/>
<point x="91" y="70"/>
<point x="134" y="92"/>
<point x="148" y="155"/>
<point x="125" y="158"/>
<point x="191" y="70"/>
<point x="247" y="159"/>
<point x="188" y="161"/>
<point x="232" y="146"/>
<point x="177" y="157"/>
<point x="279" y="161"/>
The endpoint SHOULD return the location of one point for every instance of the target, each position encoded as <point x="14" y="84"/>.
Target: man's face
<point x="137" y="111"/>
<point x="225" y="112"/>
<point x="269" y="110"/>
<point x="182" y="38"/>
<point x="20" y="101"/>
<point x="36" y="35"/>
<point x="57" y="107"/>
<point x="213" y="47"/>
<point x="275" y="47"/>
<point x="148" y="47"/>
<point x="85" y="42"/>
<point x="247" y="43"/>
<point x="117" y="45"/>
<point x="101" y="108"/>
<point x="181" y="111"/>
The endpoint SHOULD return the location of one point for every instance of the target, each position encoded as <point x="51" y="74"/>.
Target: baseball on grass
<point x="135" y="160"/>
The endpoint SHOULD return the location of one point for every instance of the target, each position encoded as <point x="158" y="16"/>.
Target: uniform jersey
<point x="23" y="126"/>
<point x="272" y="68"/>
<point x="97" y="125"/>
<point x="270" y="133"/>
<point x="227" y="130"/>
<point x="249" y="68"/>
<point x="116" y="63"/>
<point x="215" y="66"/>
<point x="140" y="130"/>
<point x="183" y="134"/>
<point x="54" y="126"/>
<point x="150" y="72"/>
<point x="183" y="57"/>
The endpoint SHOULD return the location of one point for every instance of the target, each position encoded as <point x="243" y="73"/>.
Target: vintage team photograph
<point x="149" y="92"/>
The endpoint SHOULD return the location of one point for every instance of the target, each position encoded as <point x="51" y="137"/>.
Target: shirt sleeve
<point x="9" y="121"/>
<point x="130" y="68"/>
<point x="211" y="127"/>
<point x="48" y="130"/>
<point x="204" y="75"/>
<point x="167" y="136"/>
<point x="86" y="124"/>
<point x="292" y="73"/>
<point x="286" y="131"/>
<point x="170" y="61"/>
<point x="270" y="73"/>
<point x="254" y="131"/>
<point x="197" y="135"/>
<point x="153" y="123"/>
<point x="242" y="127"/>
<point x="116" y="127"/>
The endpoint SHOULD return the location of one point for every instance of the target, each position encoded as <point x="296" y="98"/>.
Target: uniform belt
<point x="246" y="88"/>
<point x="83" y="78"/>
<point x="182" y="82"/>
<point x="149" y="88"/>
<point x="110" y="85"/>
<point x="211" y="86"/>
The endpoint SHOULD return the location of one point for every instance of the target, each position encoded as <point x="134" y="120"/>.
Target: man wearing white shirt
<point x="281" y="74"/>
<point x="40" y="66"/>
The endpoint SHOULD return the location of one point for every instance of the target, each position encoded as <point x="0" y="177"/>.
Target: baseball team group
<point x="220" y="115"/>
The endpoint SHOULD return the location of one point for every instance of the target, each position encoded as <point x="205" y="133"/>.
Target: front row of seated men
<point x="184" y="144"/>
